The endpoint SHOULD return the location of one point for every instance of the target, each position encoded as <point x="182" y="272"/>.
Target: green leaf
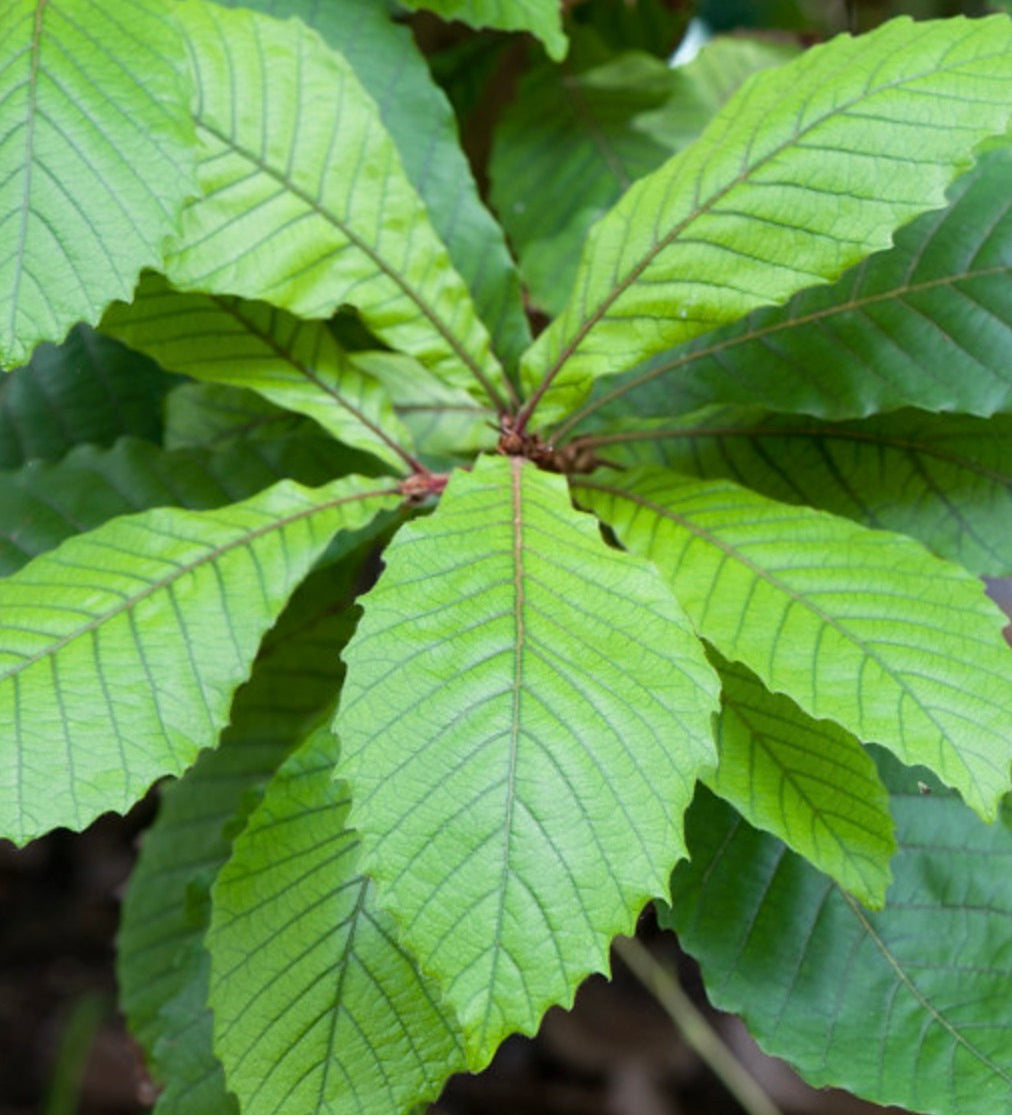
<point x="542" y="18"/>
<point x="305" y="203"/>
<point x="89" y="389"/>
<point x="295" y="678"/>
<point x="293" y="363"/>
<point x="120" y="649"/>
<point x="207" y="415"/>
<point x="95" y="131"/>
<point x="525" y="714"/>
<point x="307" y="975"/>
<point x="944" y="479"/>
<point x="44" y="503"/>
<point x="574" y="139"/>
<point x="861" y="626"/>
<point x="924" y="324"/>
<point x="421" y="123"/>
<point x="905" y="1006"/>
<point x="806" y="781"/>
<point x="808" y="169"/>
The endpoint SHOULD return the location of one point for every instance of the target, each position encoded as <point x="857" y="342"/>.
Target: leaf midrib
<point x="211" y="557"/>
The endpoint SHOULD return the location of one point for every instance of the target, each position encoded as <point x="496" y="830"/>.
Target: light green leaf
<point x="927" y="323"/>
<point x="120" y="649"/>
<point x="305" y="203"/>
<point x="307" y="975"/>
<point x="860" y="626"/>
<point x="295" y="678"/>
<point x="293" y="363"/>
<point x="944" y="479"/>
<point x="905" y="1006"/>
<point x="806" y="781"/>
<point x="95" y="131"/>
<point x="207" y="415"/>
<point x="525" y="714"/>
<point x="45" y="502"/>
<point x="808" y="169"/>
<point x="421" y="123"/>
<point x="89" y="389"/>
<point x="542" y="18"/>
<point x="576" y="137"/>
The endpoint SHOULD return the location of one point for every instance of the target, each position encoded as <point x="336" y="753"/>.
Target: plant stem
<point x="701" y="1036"/>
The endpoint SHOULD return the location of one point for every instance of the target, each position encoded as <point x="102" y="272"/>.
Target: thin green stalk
<point x="665" y="988"/>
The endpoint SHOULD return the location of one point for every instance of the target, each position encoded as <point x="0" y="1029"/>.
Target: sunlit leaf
<point x="542" y="18"/>
<point x="525" y="714"/>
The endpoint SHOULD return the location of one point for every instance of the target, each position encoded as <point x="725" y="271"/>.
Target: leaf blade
<point x="88" y="736"/>
<point x="789" y="185"/>
<point x="504" y="815"/>
<point x="868" y="629"/>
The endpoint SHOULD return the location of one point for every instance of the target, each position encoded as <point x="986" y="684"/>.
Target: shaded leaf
<point x="307" y="974"/>
<point x="542" y="18"/>
<point x="120" y="649"/>
<point x="45" y="502"/>
<point x="309" y="210"/>
<point x="944" y="479"/>
<point x="808" y="169"/>
<point x="95" y="128"/>
<point x="860" y="626"/>
<point x="293" y="363"/>
<point x="161" y="964"/>
<point x="806" y="781"/>
<point x="525" y="714"/>
<point x="927" y="323"/>
<point x="905" y="1006"/>
<point x="421" y="123"/>
<point x="89" y="389"/>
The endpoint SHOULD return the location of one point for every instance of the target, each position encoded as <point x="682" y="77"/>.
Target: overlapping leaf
<point x="542" y="18"/>
<point x="904" y="1006"/>
<point x="860" y="626"/>
<point x="420" y="121"/>
<point x="296" y="364"/>
<point x="120" y="649"/>
<point x="307" y="973"/>
<point x="806" y="781"/>
<point x="45" y="502"/>
<point x="95" y="131"/>
<point x="808" y="169"/>
<point x="89" y="389"/>
<point x="525" y="713"/>
<point x="161" y="964"/>
<point x="927" y="323"/>
<point x="944" y="479"/>
<point x="310" y="209"/>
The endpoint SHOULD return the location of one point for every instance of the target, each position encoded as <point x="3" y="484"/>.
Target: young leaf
<point x="944" y="479"/>
<point x="416" y="113"/>
<point x="542" y="18"/>
<point x="307" y="975"/>
<point x="119" y="650"/>
<point x="808" y="169"/>
<point x="309" y="209"/>
<point x="46" y="502"/>
<point x="861" y="626"/>
<point x="525" y="714"/>
<point x="89" y="389"/>
<point x="908" y="1005"/>
<point x="95" y="131"/>
<point x="924" y="324"/>
<point x="293" y="363"/>
<point x="806" y="781"/>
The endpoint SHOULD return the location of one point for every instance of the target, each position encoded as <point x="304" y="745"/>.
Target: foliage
<point x="721" y="523"/>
